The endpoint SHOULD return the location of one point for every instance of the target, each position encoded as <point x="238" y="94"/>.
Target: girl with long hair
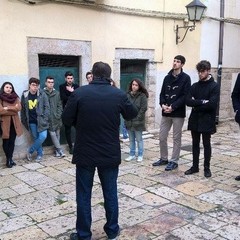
<point x="10" y="122"/>
<point x="137" y="94"/>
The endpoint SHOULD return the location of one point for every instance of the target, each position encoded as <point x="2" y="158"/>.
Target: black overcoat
<point x="203" y="98"/>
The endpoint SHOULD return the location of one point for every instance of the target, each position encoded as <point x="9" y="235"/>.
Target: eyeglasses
<point x="50" y="82"/>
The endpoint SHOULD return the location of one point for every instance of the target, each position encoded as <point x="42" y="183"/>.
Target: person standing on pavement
<point x="138" y="95"/>
<point x="173" y="94"/>
<point x="55" y="118"/>
<point x="66" y="89"/>
<point x="236" y="105"/>
<point x="11" y="125"/>
<point x="95" y="110"/>
<point x="35" y="116"/>
<point x="203" y="97"/>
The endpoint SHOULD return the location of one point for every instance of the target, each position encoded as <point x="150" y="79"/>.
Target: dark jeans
<point x="206" y="138"/>
<point x="9" y="144"/>
<point x="68" y="134"/>
<point x="84" y="183"/>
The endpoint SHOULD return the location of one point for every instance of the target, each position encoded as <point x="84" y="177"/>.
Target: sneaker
<point x="160" y="162"/>
<point x="39" y="158"/>
<point x="140" y="158"/>
<point x="130" y="158"/>
<point x="61" y="153"/>
<point x="191" y="171"/>
<point x="171" y="166"/>
<point x="57" y="154"/>
<point x="207" y="173"/>
<point x="29" y="156"/>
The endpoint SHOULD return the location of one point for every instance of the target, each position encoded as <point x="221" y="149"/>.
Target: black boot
<point x="12" y="162"/>
<point x="9" y="164"/>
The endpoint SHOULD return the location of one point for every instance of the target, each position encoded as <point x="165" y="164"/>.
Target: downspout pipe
<point x="220" y="51"/>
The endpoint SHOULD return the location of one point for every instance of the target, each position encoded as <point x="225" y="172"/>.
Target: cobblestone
<point x="37" y="200"/>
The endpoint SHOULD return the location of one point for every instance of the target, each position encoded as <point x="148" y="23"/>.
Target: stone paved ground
<point x="37" y="200"/>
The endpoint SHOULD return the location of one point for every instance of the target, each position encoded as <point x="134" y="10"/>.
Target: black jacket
<point x="236" y="99"/>
<point x="174" y="92"/>
<point x="95" y="111"/>
<point x="203" y="115"/>
<point x="64" y="93"/>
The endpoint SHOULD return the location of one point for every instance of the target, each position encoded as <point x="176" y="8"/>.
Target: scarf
<point x="9" y="98"/>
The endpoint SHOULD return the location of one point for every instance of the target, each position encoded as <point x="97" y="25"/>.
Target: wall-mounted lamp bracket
<point x="190" y="28"/>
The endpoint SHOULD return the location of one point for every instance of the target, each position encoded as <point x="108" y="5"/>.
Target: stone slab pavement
<point x="37" y="199"/>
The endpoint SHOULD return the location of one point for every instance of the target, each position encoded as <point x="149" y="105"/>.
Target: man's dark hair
<point x="101" y="70"/>
<point x="181" y="58"/>
<point x="49" y="77"/>
<point x="88" y="73"/>
<point x="203" y="65"/>
<point x="68" y="73"/>
<point x="34" y="80"/>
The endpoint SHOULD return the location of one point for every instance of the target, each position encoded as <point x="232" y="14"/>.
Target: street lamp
<point x="195" y="11"/>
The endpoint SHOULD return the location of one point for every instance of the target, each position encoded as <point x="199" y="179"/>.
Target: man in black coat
<point x="203" y="98"/>
<point x="236" y="104"/>
<point x="66" y="89"/>
<point x="95" y="111"/>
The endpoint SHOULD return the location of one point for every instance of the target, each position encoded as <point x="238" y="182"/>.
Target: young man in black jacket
<point x="66" y="89"/>
<point x="175" y="87"/>
<point x="95" y="110"/>
<point x="203" y="97"/>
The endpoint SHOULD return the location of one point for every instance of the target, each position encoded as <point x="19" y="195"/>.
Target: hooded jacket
<point x="42" y="110"/>
<point x="55" y="117"/>
<point x="140" y="101"/>
<point x="173" y="93"/>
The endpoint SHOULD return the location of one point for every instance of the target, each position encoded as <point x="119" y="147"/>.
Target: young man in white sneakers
<point x="55" y="118"/>
<point x="175" y="88"/>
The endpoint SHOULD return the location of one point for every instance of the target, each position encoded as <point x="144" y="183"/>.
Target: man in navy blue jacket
<point x="95" y="111"/>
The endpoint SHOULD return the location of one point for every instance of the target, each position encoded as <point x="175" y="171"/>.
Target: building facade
<point x="137" y="39"/>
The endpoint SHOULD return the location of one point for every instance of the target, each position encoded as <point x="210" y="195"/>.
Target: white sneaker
<point x="139" y="159"/>
<point x="130" y="158"/>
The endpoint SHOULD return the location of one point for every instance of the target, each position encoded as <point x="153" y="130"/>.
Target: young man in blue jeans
<point x="35" y="116"/>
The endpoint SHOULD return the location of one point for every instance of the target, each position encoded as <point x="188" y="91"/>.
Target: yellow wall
<point x="106" y="30"/>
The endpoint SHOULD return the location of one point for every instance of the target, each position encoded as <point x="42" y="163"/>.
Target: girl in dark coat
<point x="138" y="95"/>
<point x="203" y="98"/>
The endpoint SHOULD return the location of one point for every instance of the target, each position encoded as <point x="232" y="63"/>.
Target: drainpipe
<point x="220" y="51"/>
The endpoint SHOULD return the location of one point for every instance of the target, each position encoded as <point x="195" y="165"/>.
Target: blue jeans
<point x="39" y="138"/>
<point x="133" y="137"/>
<point x="84" y="184"/>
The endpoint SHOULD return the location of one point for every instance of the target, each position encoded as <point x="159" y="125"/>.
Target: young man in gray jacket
<point x="55" y="120"/>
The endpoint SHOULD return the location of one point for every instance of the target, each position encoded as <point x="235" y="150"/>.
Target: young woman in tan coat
<point x="11" y="126"/>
